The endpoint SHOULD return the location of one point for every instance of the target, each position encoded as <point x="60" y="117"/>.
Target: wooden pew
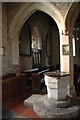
<point x="38" y="79"/>
<point x="13" y="87"/>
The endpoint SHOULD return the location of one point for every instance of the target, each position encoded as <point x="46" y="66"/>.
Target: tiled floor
<point x="17" y="105"/>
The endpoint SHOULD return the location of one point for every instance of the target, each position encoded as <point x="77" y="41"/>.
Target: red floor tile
<point x="17" y="105"/>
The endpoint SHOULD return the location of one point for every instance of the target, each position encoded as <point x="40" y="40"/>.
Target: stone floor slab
<point x="46" y="111"/>
<point x="35" y="97"/>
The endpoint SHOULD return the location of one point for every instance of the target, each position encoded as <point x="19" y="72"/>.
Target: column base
<point x="71" y="92"/>
<point x="57" y="103"/>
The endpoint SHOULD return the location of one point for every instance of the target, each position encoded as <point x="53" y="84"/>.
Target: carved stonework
<point x="65" y="31"/>
<point x="62" y="6"/>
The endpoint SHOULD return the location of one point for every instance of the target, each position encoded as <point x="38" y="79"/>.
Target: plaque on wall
<point x="65" y="49"/>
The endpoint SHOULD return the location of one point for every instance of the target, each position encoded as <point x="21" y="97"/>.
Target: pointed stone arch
<point x="70" y="19"/>
<point x="28" y="9"/>
<point x="22" y="15"/>
<point x="72" y="16"/>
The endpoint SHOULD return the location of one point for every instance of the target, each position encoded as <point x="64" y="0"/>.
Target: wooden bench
<point x="13" y="86"/>
<point x="29" y="76"/>
<point x="38" y="79"/>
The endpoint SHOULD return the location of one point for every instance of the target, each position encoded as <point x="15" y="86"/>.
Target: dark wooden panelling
<point x="36" y="81"/>
<point x="13" y="87"/>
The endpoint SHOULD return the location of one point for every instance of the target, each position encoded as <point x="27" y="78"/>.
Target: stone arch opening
<point x="70" y="21"/>
<point x="41" y="53"/>
<point x="26" y="11"/>
<point x="37" y="39"/>
<point x="71" y="17"/>
<point x="25" y="46"/>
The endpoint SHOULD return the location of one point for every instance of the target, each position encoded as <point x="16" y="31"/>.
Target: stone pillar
<point x="71" y="69"/>
<point x="15" y="56"/>
<point x="64" y="57"/>
<point x="66" y="60"/>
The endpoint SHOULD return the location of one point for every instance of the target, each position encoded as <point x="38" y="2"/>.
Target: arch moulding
<point x="69" y="23"/>
<point x="72" y="15"/>
<point x="21" y="16"/>
<point x="28" y="9"/>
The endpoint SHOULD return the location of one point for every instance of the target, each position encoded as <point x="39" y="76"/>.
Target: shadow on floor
<point x="9" y="114"/>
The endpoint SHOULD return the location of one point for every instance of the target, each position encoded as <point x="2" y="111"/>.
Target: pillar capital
<point x="65" y="31"/>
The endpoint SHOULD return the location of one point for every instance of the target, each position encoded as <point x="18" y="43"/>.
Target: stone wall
<point x="13" y="9"/>
<point x="25" y="63"/>
<point x="5" y="43"/>
<point x="63" y="7"/>
<point x="10" y="13"/>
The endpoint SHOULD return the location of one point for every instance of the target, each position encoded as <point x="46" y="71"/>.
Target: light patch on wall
<point x="2" y="51"/>
<point x="73" y="42"/>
